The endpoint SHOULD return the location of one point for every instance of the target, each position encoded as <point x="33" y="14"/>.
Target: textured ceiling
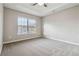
<point x="37" y="9"/>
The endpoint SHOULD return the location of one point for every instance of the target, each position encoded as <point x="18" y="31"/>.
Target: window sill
<point x="27" y="34"/>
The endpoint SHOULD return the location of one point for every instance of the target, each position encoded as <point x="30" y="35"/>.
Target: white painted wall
<point x="1" y="26"/>
<point x="63" y="26"/>
<point x="10" y="26"/>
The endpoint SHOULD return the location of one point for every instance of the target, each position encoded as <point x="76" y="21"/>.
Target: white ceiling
<point x="38" y="10"/>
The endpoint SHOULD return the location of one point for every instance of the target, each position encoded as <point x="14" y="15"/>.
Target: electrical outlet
<point x="10" y="37"/>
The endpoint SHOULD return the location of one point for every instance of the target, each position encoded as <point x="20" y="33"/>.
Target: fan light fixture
<point x="40" y="4"/>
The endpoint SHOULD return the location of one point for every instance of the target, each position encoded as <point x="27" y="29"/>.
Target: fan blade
<point x="45" y="5"/>
<point x="34" y="4"/>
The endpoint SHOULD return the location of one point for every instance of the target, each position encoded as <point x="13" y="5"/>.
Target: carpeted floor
<point x="40" y="47"/>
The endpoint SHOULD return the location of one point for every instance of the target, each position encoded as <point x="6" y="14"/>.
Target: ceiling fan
<point x="44" y="4"/>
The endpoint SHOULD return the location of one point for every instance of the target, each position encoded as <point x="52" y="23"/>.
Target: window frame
<point x="26" y="26"/>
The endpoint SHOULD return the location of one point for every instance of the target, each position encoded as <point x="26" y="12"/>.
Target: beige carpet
<point x="40" y="47"/>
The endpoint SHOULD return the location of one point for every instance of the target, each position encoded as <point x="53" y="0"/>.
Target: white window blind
<point x="26" y="25"/>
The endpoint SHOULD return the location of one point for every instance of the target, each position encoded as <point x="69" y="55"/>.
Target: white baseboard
<point x="73" y="43"/>
<point x="19" y="40"/>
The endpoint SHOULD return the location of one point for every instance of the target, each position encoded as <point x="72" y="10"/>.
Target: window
<point x="26" y="26"/>
<point x="32" y="26"/>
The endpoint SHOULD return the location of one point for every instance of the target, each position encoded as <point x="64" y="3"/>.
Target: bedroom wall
<point x="1" y="26"/>
<point x="63" y="25"/>
<point x="10" y="26"/>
